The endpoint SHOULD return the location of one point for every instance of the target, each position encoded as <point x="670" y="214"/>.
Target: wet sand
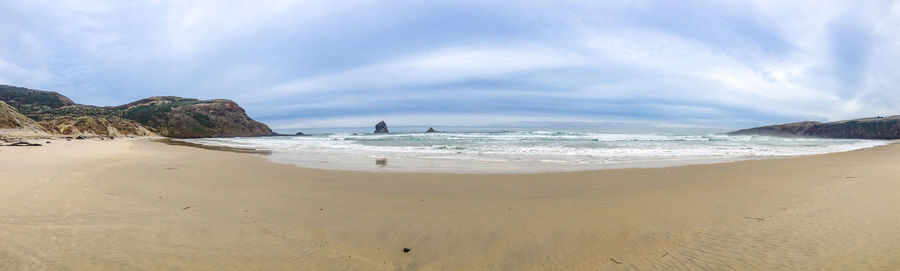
<point x="135" y="204"/>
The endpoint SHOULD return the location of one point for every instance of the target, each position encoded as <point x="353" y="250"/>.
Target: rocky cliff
<point x="867" y="128"/>
<point x="182" y="117"/>
<point x="166" y="116"/>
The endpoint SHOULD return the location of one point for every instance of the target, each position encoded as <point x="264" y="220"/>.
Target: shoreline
<point x="138" y="204"/>
<point x="383" y="164"/>
<point x="181" y="142"/>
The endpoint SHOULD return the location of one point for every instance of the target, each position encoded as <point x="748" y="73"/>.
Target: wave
<point x="531" y="151"/>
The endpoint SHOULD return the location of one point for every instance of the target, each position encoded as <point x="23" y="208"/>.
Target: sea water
<point x="526" y="151"/>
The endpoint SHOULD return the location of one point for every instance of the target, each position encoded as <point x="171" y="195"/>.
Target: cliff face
<point x="181" y="117"/>
<point x="867" y="128"/>
<point x="166" y="116"/>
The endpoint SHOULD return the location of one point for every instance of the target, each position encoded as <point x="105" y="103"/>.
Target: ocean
<point x="526" y="151"/>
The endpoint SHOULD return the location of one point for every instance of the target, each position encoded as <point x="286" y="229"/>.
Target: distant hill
<point x="866" y="128"/>
<point x="166" y="116"/>
<point x="28" y="99"/>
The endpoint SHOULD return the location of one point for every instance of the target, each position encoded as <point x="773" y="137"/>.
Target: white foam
<point x="528" y="151"/>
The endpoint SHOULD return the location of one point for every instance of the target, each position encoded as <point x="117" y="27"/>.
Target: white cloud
<point x="193" y="25"/>
<point x="12" y="74"/>
<point x="430" y="68"/>
<point x="765" y="57"/>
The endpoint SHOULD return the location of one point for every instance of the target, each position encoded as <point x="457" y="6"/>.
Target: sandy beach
<point x="133" y="204"/>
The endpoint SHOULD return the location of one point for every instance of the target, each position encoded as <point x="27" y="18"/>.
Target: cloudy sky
<point x="300" y="64"/>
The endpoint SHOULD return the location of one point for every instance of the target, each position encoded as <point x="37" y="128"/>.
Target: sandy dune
<point x="136" y="204"/>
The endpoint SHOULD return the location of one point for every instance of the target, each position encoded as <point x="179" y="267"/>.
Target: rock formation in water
<point x="431" y="130"/>
<point x="299" y="134"/>
<point x="167" y="116"/>
<point x="866" y="128"/>
<point x="381" y="128"/>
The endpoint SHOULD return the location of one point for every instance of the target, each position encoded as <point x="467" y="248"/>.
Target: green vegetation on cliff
<point x="149" y="111"/>
<point x="17" y="96"/>
<point x="29" y="101"/>
<point x="167" y="116"/>
<point x="867" y="128"/>
<point x="183" y="117"/>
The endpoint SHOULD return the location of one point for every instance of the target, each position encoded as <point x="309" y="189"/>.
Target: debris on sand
<point x="406" y="250"/>
<point x="23" y="144"/>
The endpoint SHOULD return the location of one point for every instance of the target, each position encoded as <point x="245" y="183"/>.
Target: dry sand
<point x="136" y="204"/>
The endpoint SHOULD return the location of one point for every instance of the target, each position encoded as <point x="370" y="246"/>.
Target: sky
<point x="305" y="64"/>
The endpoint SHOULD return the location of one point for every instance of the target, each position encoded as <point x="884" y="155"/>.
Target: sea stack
<point x="431" y="130"/>
<point x="381" y="128"/>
